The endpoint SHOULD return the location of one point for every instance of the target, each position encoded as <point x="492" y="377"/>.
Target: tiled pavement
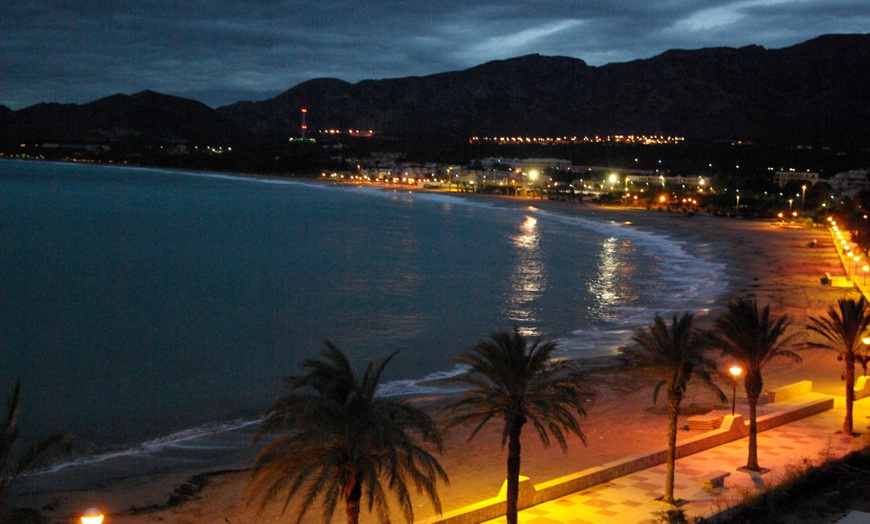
<point x="631" y="498"/>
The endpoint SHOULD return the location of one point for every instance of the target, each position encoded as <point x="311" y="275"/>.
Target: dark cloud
<point x="227" y="50"/>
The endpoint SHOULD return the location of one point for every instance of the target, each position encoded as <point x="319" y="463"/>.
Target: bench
<point x="827" y="279"/>
<point x="713" y="480"/>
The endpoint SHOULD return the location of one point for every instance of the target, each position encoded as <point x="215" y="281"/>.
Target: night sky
<point x="223" y="51"/>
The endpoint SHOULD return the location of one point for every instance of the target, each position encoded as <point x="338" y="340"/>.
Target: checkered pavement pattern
<point x="781" y="450"/>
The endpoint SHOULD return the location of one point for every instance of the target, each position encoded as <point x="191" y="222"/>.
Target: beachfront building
<point x="782" y="178"/>
<point x="692" y="182"/>
<point x="850" y="182"/>
<point x="541" y="164"/>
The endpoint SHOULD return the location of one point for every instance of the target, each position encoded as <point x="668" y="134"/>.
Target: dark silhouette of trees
<point x="13" y="464"/>
<point x="675" y="354"/>
<point x="342" y="442"/>
<point x="842" y="330"/>
<point x="510" y="379"/>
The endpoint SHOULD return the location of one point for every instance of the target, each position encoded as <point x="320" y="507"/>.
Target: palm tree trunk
<point x="352" y="503"/>
<point x="513" y="472"/>
<point x="850" y="394"/>
<point x="753" y="385"/>
<point x="674" y="399"/>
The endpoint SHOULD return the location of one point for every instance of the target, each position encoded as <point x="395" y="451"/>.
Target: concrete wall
<point x="862" y="387"/>
<point x="790" y="391"/>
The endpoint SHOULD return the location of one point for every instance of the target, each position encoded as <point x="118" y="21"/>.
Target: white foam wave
<point x="189" y="439"/>
<point x="432" y="384"/>
<point x="689" y="281"/>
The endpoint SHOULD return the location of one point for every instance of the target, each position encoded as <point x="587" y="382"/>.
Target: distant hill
<point x="812" y="93"/>
<point x="145" y="116"/>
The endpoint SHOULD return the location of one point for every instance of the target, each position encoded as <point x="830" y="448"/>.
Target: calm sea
<point x="145" y="310"/>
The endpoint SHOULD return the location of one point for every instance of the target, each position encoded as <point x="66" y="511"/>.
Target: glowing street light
<point x="533" y="176"/>
<point x="803" y="196"/>
<point x="92" y="516"/>
<point x="735" y="372"/>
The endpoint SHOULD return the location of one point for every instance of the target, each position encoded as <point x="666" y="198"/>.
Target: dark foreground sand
<point x="771" y="263"/>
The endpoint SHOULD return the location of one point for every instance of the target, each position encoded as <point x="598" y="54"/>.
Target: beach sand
<point x="773" y="264"/>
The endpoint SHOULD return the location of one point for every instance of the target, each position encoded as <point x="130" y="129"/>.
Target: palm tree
<point x="674" y="354"/>
<point x="753" y="338"/>
<point x="342" y="442"/>
<point x="842" y="331"/>
<point x="38" y="452"/>
<point x="520" y="383"/>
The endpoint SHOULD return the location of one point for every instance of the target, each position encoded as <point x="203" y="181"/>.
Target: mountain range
<point x="811" y="93"/>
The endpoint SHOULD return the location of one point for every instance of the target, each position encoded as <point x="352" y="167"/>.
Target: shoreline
<point x="773" y="264"/>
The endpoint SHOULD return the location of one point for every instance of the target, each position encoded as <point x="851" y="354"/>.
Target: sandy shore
<point x="773" y="264"/>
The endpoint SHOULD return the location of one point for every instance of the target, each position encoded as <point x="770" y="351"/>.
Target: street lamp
<point x="735" y="372"/>
<point x="92" y="516"/>
<point x="803" y="196"/>
<point x="790" y="200"/>
<point x="533" y="176"/>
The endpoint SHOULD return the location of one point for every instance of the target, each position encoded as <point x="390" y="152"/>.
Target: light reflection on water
<point x="528" y="279"/>
<point x="612" y="285"/>
<point x="603" y="286"/>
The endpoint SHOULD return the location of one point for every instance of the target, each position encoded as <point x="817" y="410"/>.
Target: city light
<point x="92" y="516"/>
<point x="610" y="139"/>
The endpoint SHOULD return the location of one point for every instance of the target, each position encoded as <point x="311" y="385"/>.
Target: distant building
<point x="499" y="161"/>
<point x="850" y="181"/>
<point x="661" y="180"/>
<point x="782" y="178"/>
<point x="540" y="164"/>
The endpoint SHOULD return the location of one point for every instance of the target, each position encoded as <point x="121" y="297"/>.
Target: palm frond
<point x="511" y="379"/>
<point x="342" y="441"/>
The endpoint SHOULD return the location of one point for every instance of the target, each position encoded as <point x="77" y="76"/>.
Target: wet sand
<point x="774" y="264"/>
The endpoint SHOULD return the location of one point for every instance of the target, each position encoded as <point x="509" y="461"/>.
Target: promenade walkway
<point x="631" y="499"/>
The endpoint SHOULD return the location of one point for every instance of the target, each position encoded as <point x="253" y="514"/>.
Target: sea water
<point x="151" y="312"/>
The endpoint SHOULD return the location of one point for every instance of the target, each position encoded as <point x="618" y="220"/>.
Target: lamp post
<point x="533" y="176"/>
<point x="803" y="196"/>
<point x="92" y="516"/>
<point x="735" y="372"/>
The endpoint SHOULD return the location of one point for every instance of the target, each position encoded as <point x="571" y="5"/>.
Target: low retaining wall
<point x="805" y="409"/>
<point x="790" y="391"/>
<point x="862" y="388"/>
<point x="733" y="428"/>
